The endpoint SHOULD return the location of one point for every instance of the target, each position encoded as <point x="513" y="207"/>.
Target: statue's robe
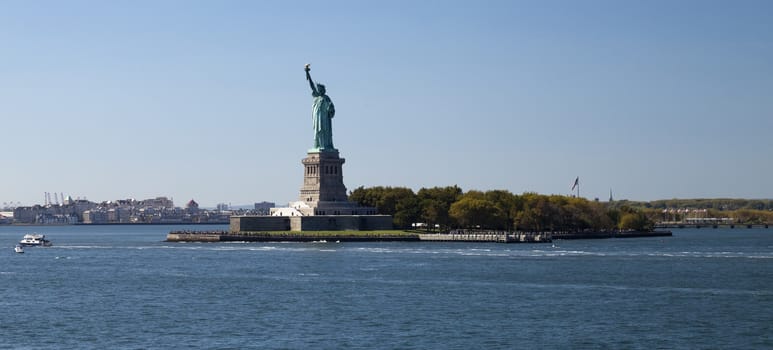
<point x="322" y="111"/>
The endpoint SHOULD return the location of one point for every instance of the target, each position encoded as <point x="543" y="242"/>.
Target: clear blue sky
<point x="207" y="99"/>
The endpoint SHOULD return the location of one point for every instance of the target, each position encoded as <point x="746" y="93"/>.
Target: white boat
<point x="34" y="239"/>
<point x="19" y="249"/>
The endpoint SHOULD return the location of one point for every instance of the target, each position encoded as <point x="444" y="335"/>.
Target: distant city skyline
<point x="62" y="199"/>
<point x="208" y="100"/>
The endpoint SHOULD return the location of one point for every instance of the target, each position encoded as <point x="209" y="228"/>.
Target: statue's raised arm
<point x="307" y="68"/>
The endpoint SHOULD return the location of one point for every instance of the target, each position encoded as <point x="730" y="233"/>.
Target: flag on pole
<point x="576" y="183"/>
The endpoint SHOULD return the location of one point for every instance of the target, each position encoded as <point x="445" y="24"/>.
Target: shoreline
<point x="289" y="236"/>
<point x="396" y="236"/>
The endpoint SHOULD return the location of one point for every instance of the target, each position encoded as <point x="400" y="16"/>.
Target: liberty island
<point x="324" y="208"/>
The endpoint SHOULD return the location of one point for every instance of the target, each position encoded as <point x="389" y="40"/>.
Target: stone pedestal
<point x="323" y="203"/>
<point x="323" y="179"/>
<point x="323" y="191"/>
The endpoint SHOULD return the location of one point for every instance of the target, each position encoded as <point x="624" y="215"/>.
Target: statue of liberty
<point x="322" y="112"/>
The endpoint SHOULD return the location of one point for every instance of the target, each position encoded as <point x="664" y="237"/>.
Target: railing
<point x="461" y="235"/>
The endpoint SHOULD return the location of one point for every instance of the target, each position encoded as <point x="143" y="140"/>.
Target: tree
<point x="507" y="203"/>
<point x="406" y="208"/>
<point x="436" y="203"/>
<point x="472" y="212"/>
<point x="636" y="221"/>
<point x="400" y="202"/>
<point x="538" y="213"/>
<point x="368" y="197"/>
<point x="408" y="212"/>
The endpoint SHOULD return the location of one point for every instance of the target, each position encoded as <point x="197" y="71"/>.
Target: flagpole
<point x="578" y="187"/>
<point x="577" y="184"/>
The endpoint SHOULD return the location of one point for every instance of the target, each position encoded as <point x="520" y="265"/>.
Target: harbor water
<point x="124" y="287"/>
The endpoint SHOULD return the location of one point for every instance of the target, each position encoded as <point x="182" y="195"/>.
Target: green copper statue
<point x="322" y="112"/>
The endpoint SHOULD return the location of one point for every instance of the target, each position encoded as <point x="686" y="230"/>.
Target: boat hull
<point x="35" y="240"/>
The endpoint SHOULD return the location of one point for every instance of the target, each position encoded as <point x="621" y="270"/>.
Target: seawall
<point x="364" y="236"/>
<point x="286" y="237"/>
<point x="356" y="236"/>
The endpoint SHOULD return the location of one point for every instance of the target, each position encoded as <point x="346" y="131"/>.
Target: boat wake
<point x="526" y="253"/>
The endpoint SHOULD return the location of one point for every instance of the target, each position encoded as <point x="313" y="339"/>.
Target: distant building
<point x="158" y="202"/>
<point x="192" y="207"/>
<point x="264" y="208"/>
<point x="26" y="215"/>
<point x="118" y="215"/>
<point x="94" y="217"/>
<point x="6" y="217"/>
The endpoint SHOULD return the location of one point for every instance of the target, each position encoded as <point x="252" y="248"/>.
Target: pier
<point x="488" y="236"/>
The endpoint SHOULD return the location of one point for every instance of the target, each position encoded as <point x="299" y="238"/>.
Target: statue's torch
<point x="307" y="68"/>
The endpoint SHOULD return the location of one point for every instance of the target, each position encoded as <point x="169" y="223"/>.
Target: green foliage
<point x="400" y="202"/>
<point x="407" y="211"/>
<point x="742" y="211"/>
<point x="507" y="204"/>
<point x="722" y="204"/>
<point x="367" y="197"/>
<point x="636" y="221"/>
<point x="748" y="216"/>
<point x="561" y="213"/>
<point x="436" y="203"/>
<point x="471" y="212"/>
<point x="450" y="207"/>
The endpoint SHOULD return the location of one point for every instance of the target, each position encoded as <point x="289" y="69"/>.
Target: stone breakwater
<point x="360" y="236"/>
<point x="364" y="236"/>
<point x="223" y="236"/>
